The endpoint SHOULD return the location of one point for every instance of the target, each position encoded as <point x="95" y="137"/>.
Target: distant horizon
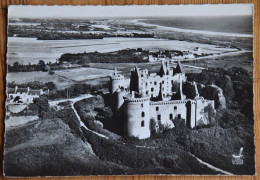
<point x="132" y="11"/>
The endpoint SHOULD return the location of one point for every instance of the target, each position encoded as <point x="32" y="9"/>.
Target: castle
<point x="154" y="100"/>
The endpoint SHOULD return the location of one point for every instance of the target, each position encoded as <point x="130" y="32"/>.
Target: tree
<point x="41" y="63"/>
<point x="40" y="105"/>
<point x="189" y="90"/>
<point x="16" y="64"/>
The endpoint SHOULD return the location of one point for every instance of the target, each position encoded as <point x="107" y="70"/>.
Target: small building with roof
<point x="24" y="95"/>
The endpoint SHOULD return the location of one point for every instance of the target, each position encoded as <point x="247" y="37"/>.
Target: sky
<point x="21" y="11"/>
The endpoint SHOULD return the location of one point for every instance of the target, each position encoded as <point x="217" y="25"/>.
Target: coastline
<point x="213" y="33"/>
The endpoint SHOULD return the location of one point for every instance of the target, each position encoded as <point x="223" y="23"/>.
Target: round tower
<point x="119" y="99"/>
<point x="116" y="81"/>
<point x="137" y="116"/>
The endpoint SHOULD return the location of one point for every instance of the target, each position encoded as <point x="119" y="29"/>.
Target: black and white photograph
<point x="129" y="90"/>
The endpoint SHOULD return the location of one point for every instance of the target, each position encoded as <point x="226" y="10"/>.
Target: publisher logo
<point x="237" y="159"/>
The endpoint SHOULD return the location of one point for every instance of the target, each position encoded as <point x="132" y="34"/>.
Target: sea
<point x="226" y="24"/>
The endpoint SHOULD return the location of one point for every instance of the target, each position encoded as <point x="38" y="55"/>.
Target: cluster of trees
<point x="17" y="67"/>
<point x="123" y="56"/>
<point x="41" y="66"/>
<point x="34" y="85"/>
<point x="236" y="83"/>
<point x="67" y="36"/>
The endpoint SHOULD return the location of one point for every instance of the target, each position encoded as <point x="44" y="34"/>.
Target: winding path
<point x="73" y="101"/>
<point x="83" y="125"/>
<point x="211" y="167"/>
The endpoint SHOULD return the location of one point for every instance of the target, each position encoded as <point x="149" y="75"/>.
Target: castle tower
<point x="116" y="81"/>
<point x="116" y="98"/>
<point x="191" y="114"/>
<point x="137" y="116"/>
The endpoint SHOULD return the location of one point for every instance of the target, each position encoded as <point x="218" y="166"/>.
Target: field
<point x="15" y="121"/>
<point x="82" y="74"/>
<point x="61" y="78"/>
<point x="244" y="60"/>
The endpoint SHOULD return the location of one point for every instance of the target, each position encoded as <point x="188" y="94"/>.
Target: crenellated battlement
<point x="155" y="103"/>
<point x="131" y="99"/>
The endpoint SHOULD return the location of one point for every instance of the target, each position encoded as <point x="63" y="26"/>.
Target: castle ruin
<point x="154" y="100"/>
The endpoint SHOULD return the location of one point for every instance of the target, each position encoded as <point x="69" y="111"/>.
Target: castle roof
<point x="165" y="68"/>
<point x="137" y="70"/>
<point x="179" y="68"/>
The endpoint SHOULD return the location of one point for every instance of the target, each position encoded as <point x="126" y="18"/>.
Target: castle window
<point x="147" y="92"/>
<point x="157" y="108"/>
<point x="175" y="108"/>
<point x="146" y="84"/>
<point x="142" y="124"/>
<point x="151" y="89"/>
<point x="155" y="83"/>
<point x="143" y="114"/>
<point x="159" y="117"/>
<point x="142" y="105"/>
<point x="171" y="116"/>
<point x="163" y="82"/>
<point x="179" y="116"/>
